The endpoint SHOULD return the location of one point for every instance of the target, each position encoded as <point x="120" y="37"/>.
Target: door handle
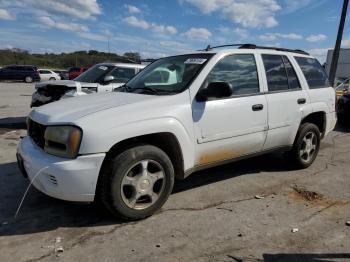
<point x="301" y="101"/>
<point x="258" y="107"/>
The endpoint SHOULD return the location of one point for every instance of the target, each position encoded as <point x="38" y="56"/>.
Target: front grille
<point x="36" y="131"/>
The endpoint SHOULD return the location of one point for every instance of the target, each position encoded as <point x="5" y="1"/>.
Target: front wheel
<point x="306" y="146"/>
<point x="137" y="182"/>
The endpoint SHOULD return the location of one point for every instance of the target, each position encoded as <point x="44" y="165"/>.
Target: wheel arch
<point x="317" y="118"/>
<point x="166" y="141"/>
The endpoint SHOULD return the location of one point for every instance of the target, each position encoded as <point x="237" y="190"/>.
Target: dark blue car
<point x="24" y="73"/>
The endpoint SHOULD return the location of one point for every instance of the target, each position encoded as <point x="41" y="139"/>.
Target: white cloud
<point x="201" y="34"/>
<point x="237" y="33"/>
<point x="140" y="23"/>
<point x="268" y="37"/>
<point x="346" y="41"/>
<point x="316" y="38"/>
<point x="136" y="22"/>
<point x="83" y="9"/>
<point x="5" y="15"/>
<point x="49" y="22"/>
<point x="293" y="5"/>
<point x="249" y="14"/>
<point x="164" y="29"/>
<point x="132" y="9"/>
<point x="319" y="53"/>
<point x="275" y="36"/>
<point x="93" y="36"/>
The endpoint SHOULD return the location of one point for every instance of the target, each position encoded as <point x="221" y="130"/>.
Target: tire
<point x="52" y="79"/>
<point x="306" y="146"/>
<point x="137" y="182"/>
<point x="28" y="79"/>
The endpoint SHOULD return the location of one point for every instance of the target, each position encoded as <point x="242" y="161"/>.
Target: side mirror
<point x="214" y="90"/>
<point x="108" y="79"/>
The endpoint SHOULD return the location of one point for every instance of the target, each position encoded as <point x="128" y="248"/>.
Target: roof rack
<point x="219" y="46"/>
<point x="252" y="46"/>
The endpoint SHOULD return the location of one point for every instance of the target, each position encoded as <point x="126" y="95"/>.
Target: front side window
<point x="95" y="74"/>
<point x="170" y="75"/>
<point x="276" y="74"/>
<point x="122" y="75"/>
<point x="238" y="70"/>
<point x="314" y="73"/>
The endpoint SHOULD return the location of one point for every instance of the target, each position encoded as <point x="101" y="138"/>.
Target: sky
<point x="157" y="28"/>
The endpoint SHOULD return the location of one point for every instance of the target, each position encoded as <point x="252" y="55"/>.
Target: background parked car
<point x="104" y="77"/>
<point x="26" y="73"/>
<point x="73" y="72"/>
<point x="62" y="73"/>
<point x="46" y="75"/>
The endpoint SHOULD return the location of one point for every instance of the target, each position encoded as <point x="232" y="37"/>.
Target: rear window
<point x="314" y="73"/>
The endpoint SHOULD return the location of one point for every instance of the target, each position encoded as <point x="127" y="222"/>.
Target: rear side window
<point x="292" y="76"/>
<point x="314" y="73"/>
<point x="238" y="70"/>
<point x="280" y="73"/>
<point x="276" y="73"/>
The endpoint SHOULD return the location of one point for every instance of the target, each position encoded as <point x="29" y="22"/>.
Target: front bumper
<point x="66" y="179"/>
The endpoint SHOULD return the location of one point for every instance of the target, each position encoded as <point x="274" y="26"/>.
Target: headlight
<point x="63" y="141"/>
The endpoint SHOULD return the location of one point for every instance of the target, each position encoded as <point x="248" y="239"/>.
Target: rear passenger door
<point x="285" y="98"/>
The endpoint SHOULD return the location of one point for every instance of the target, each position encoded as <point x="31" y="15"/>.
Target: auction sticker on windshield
<point x="104" y="68"/>
<point x="196" y="61"/>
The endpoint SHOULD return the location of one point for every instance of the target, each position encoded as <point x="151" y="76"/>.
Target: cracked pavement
<point x="211" y="216"/>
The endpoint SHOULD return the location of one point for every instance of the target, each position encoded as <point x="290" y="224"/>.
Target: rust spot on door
<point x="217" y="156"/>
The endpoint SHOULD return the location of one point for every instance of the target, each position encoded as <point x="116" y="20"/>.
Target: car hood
<point x="66" y="83"/>
<point x="71" y="109"/>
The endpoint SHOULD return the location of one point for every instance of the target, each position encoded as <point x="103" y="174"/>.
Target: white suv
<point x="220" y="105"/>
<point x="48" y="75"/>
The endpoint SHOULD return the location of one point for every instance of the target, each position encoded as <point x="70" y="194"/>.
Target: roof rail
<point x="252" y="46"/>
<point x="219" y="46"/>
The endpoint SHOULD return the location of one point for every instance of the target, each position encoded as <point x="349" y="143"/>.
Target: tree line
<point x="63" y="60"/>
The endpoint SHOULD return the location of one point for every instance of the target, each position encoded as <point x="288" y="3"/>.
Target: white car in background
<point x="104" y="77"/>
<point x="48" y="75"/>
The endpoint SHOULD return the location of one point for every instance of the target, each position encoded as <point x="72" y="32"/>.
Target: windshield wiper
<point x="146" y="88"/>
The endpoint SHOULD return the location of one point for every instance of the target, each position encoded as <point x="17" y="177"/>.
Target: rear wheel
<point x="306" y="146"/>
<point x="28" y="79"/>
<point x="52" y="79"/>
<point x="137" y="182"/>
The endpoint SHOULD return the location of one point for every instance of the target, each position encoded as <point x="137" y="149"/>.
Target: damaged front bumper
<point x="66" y="179"/>
<point x="40" y="99"/>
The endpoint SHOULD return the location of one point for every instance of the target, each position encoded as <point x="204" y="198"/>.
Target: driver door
<point x="235" y="126"/>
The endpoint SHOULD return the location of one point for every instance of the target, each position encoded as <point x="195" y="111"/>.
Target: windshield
<point x="168" y="75"/>
<point x="94" y="74"/>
